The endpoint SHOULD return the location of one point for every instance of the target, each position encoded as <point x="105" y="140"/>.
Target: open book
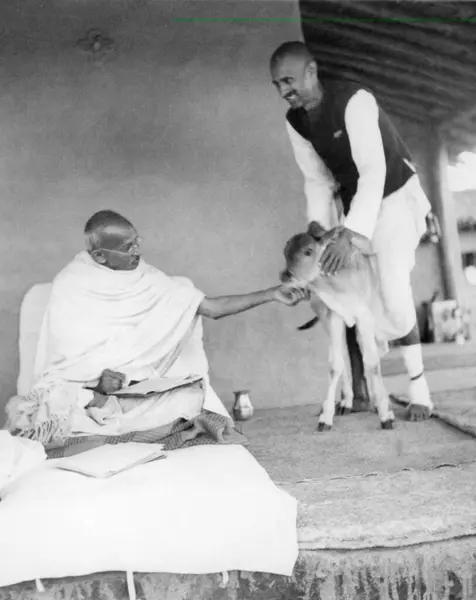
<point x="110" y="459"/>
<point x="157" y="385"/>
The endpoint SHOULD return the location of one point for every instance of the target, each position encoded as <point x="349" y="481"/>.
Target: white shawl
<point x="135" y="322"/>
<point x="98" y="318"/>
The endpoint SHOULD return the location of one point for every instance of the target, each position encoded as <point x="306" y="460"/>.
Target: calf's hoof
<point x="418" y="412"/>
<point x="343" y="411"/>
<point x="324" y="427"/>
<point x="388" y="424"/>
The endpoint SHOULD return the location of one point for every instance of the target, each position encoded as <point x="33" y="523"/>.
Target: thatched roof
<point x="419" y="57"/>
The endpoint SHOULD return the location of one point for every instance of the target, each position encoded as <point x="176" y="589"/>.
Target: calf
<point x="348" y="298"/>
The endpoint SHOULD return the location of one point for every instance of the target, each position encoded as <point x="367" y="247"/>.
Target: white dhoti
<point x="400" y="226"/>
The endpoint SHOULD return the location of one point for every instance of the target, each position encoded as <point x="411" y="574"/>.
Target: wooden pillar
<point x="442" y="203"/>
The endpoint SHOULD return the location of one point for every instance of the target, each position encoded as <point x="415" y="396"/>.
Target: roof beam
<point x="400" y="112"/>
<point x="419" y="98"/>
<point x="446" y="97"/>
<point x="444" y="84"/>
<point x="389" y="11"/>
<point x="399" y="32"/>
<point x="340" y="36"/>
<point x="459" y="118"/>
<point x="405" y="108"/>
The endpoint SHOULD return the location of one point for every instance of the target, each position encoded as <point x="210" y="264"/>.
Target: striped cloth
<point x="217" y="430"/>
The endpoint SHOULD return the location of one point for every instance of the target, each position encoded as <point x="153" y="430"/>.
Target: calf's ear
<point x="316" y="230"/>
<point x="284" y="276"/>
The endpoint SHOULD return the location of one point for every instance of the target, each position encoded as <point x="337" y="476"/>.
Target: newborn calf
<point x="350" y="298"/>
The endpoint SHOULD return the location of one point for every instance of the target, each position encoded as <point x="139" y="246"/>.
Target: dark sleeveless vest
<point x="335" y="149"/>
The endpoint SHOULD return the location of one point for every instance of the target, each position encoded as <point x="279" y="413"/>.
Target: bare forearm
<point x="224" y="306"/>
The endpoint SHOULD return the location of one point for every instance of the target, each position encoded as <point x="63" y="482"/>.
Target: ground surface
<point x="361" y="486"/>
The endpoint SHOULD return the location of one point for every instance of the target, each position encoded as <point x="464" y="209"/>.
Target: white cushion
<point x="31" y="316"/>
<point x="204" y="509"/>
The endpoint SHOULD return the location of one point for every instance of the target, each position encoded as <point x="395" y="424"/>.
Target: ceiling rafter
<point x="417" y="56"/>
<point x="446" y="96"/>
<point x="390" y="11"/>
<point x="436" y="80"/>
<point x="336" y="33"/>
<point x="424" y="100"/>
<point x="424" y="39"/>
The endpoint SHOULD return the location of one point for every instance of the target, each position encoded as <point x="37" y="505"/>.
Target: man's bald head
<point x="112" y="240"/>
<point x="102" y="222"/>
<point x="296" y="50"/>
<point x="294" y="73"/>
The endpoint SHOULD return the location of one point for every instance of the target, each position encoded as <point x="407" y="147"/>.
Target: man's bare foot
<point x="421" y="406"/>
<point x="418" y="412"/>
<point x="191" y="434"/>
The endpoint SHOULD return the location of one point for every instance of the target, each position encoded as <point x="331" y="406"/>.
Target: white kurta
<point x="394" y="224"/>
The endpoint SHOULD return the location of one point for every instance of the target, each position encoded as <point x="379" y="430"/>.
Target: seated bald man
<point x="113" y="319"/>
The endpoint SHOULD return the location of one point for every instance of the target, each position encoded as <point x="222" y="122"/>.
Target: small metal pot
<point x="242" y="409"/>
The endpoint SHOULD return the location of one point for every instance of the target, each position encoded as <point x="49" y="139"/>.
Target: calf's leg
<point x="335" y="326"/>
<point x="378" y="393"/>
<point x="346" y="402"/>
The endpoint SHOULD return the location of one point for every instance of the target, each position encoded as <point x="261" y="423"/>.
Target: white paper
<point x="110" y="459"/>
<point x="157" y="385"/>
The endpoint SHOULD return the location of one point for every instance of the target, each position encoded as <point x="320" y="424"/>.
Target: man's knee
<point x="397" y="297"/>
<point x="402" y="321"/>
<point x="411" y="338"/>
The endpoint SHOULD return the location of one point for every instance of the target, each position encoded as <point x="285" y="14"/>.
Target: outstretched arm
<point x="224" y="306"/>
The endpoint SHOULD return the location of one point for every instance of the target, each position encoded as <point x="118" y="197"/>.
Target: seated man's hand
<point x="98" y="401"/>
<point x="110" y="382"/>
<point x="291" y="295"/>
<point x="338" y="251"/>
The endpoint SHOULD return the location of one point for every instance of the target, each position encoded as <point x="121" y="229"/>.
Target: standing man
<point x="348" y="150"/>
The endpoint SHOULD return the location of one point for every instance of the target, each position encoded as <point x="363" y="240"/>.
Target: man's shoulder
<point x="69" y="272"/>
<point x="340" y="91"/>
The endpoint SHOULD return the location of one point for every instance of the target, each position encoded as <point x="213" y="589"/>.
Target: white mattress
<point x="203" y="509"/>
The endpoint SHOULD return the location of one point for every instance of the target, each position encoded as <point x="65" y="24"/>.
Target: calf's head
<point x="302" y="253"/>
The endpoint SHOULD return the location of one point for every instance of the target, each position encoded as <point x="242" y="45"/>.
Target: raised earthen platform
<point x="382" y="514"/>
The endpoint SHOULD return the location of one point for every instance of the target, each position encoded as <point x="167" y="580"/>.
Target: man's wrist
<point x="359" y="241"/>
<point x="270" y="294"/>
<point x="94" y="387"/>
<point x="349" y="232"/>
